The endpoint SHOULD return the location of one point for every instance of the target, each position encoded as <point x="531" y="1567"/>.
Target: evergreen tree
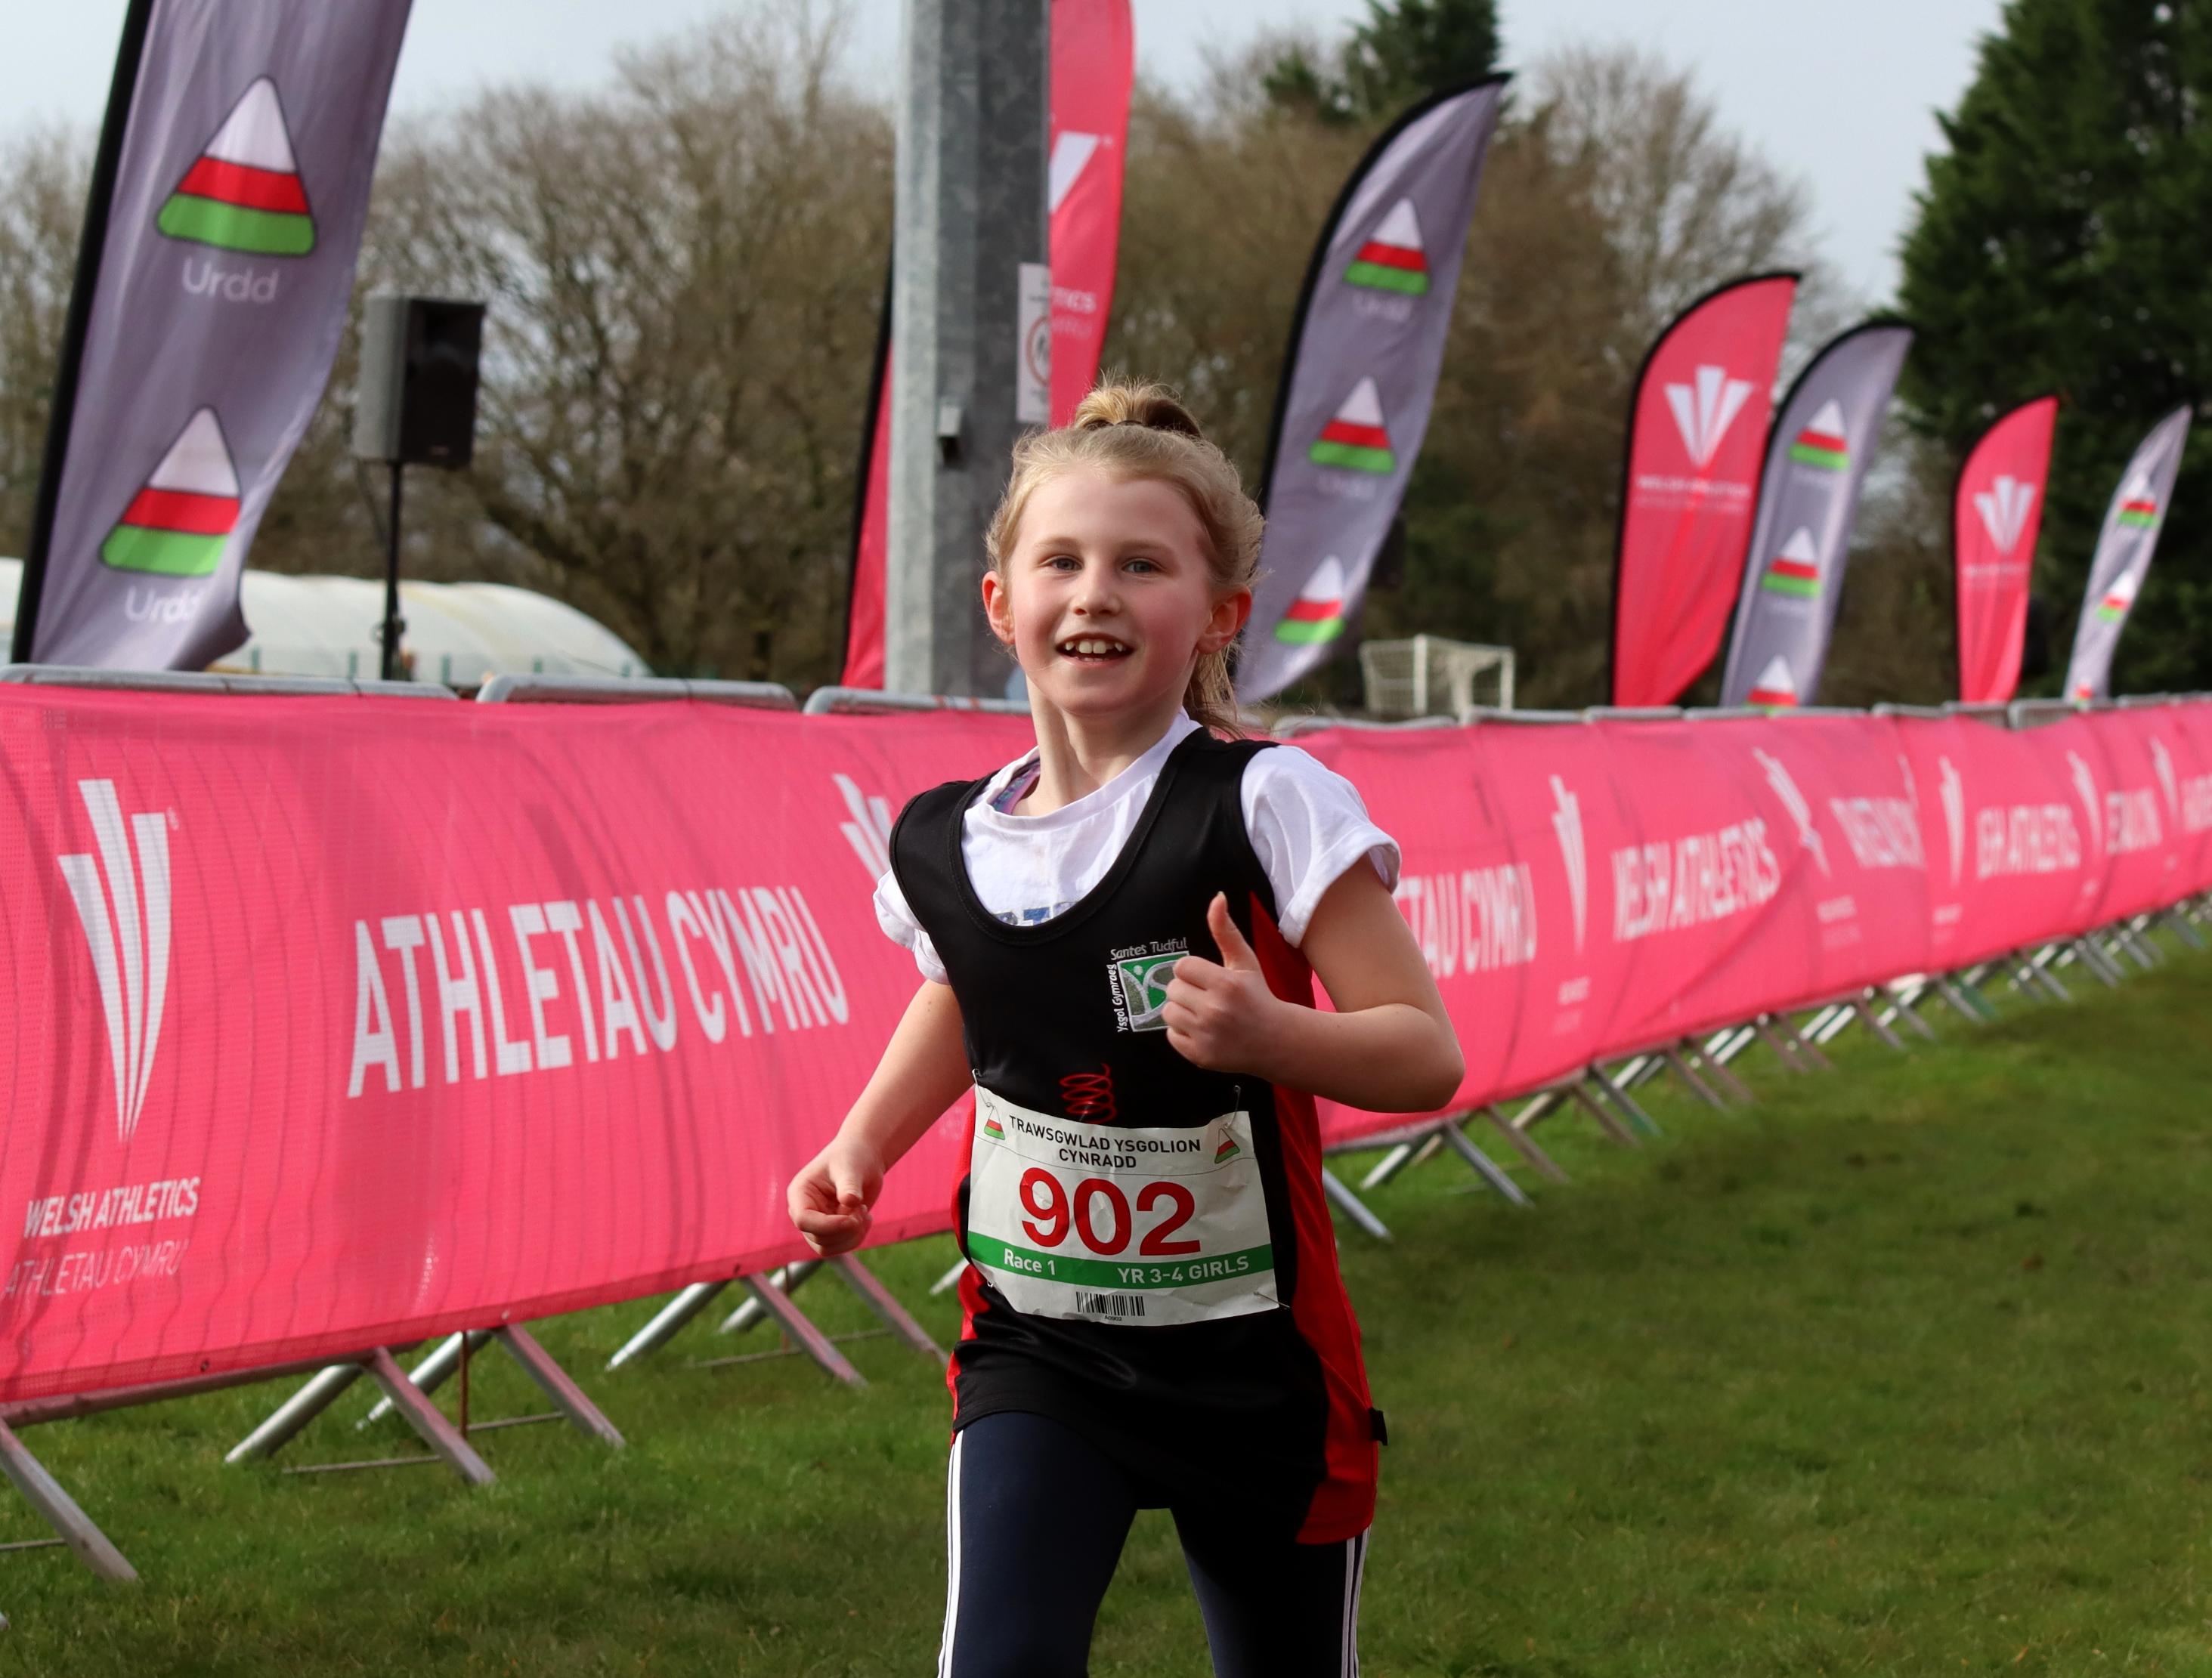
<point x="1406" y="48"/>
<point x="2062" y="243"/>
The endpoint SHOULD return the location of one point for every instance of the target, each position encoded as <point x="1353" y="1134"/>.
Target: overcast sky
<point x="1843" y="100"/>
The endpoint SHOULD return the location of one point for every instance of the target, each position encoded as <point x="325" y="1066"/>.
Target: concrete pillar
<point x="971" y="210"/>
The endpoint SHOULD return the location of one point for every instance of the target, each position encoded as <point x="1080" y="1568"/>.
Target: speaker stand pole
<point x="394" y="625"/>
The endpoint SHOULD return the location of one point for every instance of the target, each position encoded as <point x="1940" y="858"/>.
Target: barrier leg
<point x="320" y="1392"/>
<point x="1353" y="1208"/>
<point x="2146" y="951"/>
<point x="1483" y="1166"/>
<point x="1393" y="1162"/>
<point x="1717" y="1069"/>
<point x="1780" y="1046"/>
<point x="1947" y="987"/>
<point x="2041" y="963"/>
<point x="864" y="1283"/>
<point x="444" y="1439"/>
<point x="1729" y="1046"/>
<point x="2098" y="963"/>
<point x="1903" y="1001"/>
<point x="2177" y="919"/>
<point x="1787" y="1029"/>
<point x="1704" y="1091"/>
<point x="791" y="1278"/>
<point x="809" y="1339"/>
<point x="1517" y="1132"/>
<point x="1613" y="1092"/>
<point x="554" y="1382"/>
<point x="1875" y="1024"/>
<point x="951" y="1279"/>
<point x="666" y="1321"/>
<point x="433" y="1371"/>
<point x="59" y="1510"/>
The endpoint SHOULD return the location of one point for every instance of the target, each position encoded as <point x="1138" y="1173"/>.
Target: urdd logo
<point x="1567" y="826"/>
<point x="126" y="927"/>
<point x="1703" y="417"/>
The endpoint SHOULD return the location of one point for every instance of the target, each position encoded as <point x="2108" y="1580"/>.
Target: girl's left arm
<point x="1389" y="1047"/>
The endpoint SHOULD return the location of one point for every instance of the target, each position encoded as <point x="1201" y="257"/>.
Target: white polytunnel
<point x="458" y="634"/>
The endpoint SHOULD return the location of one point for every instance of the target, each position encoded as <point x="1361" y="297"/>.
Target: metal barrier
<point x="207" y="681"/>
<point x="862" y="701"/>
<point x="632" y="690"/>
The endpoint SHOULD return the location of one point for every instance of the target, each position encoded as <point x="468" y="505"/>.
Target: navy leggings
<point x="1035" y="1519"/>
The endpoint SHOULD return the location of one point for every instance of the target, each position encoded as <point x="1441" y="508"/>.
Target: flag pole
<point x="91" y="247"/>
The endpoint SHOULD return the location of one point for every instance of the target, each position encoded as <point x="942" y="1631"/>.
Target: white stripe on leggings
<point x="1355" y="1566"/>
<point x="952" y="1557"/>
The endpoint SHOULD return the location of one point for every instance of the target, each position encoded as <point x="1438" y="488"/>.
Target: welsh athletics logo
<point x="1703" y="415"/>
<point x="125" y="917"/>
<point x="2003" y="506"/>
<point x="1142" y="982"/>
<point x="243" y="192"/>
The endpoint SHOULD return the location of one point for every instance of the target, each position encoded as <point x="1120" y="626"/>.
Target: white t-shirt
<point x="1307" y="826"/>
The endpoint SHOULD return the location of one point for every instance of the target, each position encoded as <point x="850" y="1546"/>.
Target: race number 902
<point x="1098" y="1214"/>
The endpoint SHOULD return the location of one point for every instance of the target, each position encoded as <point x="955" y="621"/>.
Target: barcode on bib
<point x="1110" y="1304"/>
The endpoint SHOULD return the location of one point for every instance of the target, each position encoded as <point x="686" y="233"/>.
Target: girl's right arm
<point x="924" y="1070"/>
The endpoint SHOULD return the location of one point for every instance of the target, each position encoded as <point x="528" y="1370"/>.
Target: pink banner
<point x="1996" y="512"/>
<point x="341" y="1022"/>
<point x="1696" y="427"/>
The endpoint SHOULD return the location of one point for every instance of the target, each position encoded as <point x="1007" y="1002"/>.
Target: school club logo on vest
<point x="243" y="192"/>
<point x="1703" y="414"/>
<point x="124" y="908"/>
<point x="1140" y="977"/>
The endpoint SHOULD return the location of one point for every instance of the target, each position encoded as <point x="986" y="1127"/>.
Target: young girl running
<point x="1117" y="936"/>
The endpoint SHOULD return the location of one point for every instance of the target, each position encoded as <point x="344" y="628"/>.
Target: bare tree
<point x="46" y="175"/>
<point x="1685" y="203"/>
<point x="684" y="275"/>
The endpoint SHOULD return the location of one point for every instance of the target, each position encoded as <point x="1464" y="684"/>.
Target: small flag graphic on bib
<point x="1796" y="570"/>
<point x="243" y="192"/>
<point x="1775" y="688"/>
<point x="994" y="1130"/>
<point x="177" y="525"/>
<point x="2118" y="598"/>
<point x="1356" y="438"/>
<point x="1228" y="1151"/>
<point x="1317" y="614"/>
<point x="1822" y="443"/>
<point x="2139" y="509"/>
<point x="1392" y="260"/>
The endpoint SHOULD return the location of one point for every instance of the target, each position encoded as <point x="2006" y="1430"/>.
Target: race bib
<point x="1140" y="1227"/>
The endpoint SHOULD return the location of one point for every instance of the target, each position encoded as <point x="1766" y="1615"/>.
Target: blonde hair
<point x="1134" y="430"/>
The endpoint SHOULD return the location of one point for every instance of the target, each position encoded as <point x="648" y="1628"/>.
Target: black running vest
<point x="1267" y="1408"/>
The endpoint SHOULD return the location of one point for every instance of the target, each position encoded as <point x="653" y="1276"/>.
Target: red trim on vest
<point x="972" y="1302"/>
<point x="1343" y="1505"/>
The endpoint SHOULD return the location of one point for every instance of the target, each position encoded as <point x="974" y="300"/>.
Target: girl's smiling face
<point x="1107" y="597"/>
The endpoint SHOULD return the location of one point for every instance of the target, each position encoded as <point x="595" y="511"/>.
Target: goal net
<point x="1430" y="676"/>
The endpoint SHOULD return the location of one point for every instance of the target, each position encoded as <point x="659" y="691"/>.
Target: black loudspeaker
<point x="417" y="401"/>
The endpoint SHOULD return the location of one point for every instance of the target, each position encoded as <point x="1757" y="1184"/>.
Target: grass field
<point x="1906" y="1369"/>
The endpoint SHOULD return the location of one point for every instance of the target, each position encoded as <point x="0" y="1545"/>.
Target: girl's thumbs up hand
<point x="1221" y="1014"/>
